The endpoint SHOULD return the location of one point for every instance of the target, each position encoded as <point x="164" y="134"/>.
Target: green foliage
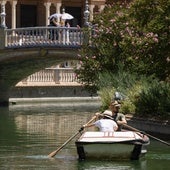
<point x="150" y="38"/>
<point x="130" y="43"/>
<point x="106" y="95"/>
<point x="128" y="107"/>
<point x="137" y="36"/>
<point x="142" y="96"/>
<point x="122" y="82"/>
<point x="154" y="101"/>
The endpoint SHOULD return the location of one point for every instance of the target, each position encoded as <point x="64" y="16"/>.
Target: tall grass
<point x="142" y="96"/>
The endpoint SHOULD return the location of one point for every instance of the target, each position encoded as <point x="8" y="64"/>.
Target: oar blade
<point x="52" y="154"/>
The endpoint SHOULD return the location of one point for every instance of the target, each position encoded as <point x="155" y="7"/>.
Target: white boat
<point x="112" y="145"/>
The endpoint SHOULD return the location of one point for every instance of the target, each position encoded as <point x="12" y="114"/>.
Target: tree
<point x="150" y="38"/>
<point x="135" y="36"/>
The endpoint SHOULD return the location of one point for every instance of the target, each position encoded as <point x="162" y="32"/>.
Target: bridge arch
<point x="16" y="64"/>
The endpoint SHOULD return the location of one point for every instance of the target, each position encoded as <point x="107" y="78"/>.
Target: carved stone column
<point x="47" y="12"/>
<point x="86" y="14"/>
<point x="91" y="8"/>
<point x="3" y="14"/>
<point x="101" y="8"/>
<point x="13" y="4"/>
<point x="58" y="6"/>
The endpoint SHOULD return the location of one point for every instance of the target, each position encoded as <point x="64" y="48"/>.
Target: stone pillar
<point x="86" y="35"/>
<point x="58" y="6"/>
<point x="47" y="7"/>
<point x="86" y="14"/>
<point x="13" y="4"/>
<point x="101" y="8"/>
<point x="3" y="14"/>
<point x="91" y="8"/>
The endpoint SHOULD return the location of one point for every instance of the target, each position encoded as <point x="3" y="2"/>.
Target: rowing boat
<point x="112" y="145"/>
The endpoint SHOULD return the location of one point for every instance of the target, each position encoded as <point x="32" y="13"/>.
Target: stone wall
<point x="151" y="126"/>
<point x="49" y="91"/>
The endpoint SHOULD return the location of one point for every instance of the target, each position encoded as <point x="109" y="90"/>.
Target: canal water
<point x="28" y="133"/>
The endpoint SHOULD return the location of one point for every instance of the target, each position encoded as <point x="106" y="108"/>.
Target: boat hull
<point x="110" y="147"/>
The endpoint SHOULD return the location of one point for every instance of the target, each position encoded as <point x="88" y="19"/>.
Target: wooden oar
<point x="52" y="154"/>
<point x="134" y="129"/>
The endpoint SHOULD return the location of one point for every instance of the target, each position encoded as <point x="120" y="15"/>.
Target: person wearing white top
<point x="106" y="124"/>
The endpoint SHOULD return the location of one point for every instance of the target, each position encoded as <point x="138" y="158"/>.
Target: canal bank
<point x="75" y="96"/>
<point x="50" y="91"/>
<point x="86" y="103"/>
<point x="154" y="127"/>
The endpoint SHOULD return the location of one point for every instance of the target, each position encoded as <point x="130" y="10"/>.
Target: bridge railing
<point x="43" y="36"/>
<point x="51" y="76"/>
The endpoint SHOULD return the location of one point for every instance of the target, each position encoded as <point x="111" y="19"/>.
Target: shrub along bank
<point x="141" y="96"/>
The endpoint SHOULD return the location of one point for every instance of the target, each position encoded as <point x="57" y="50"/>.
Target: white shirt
<point x="106" y="125"/>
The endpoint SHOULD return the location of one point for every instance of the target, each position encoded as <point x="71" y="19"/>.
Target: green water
<point x="29" y="133"/>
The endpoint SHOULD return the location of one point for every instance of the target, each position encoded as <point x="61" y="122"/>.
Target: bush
<point x="154" y="101"/>
<point x="121" y="82"/>
<point x="106" y="95"/>
<point x="141" y="96"/>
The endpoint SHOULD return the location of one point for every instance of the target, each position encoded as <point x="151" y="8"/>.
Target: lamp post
<point x="3" y="14"/>
<point x="86" y="14"/>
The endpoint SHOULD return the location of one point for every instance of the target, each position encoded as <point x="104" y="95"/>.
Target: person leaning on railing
<point x="53" y="34"/>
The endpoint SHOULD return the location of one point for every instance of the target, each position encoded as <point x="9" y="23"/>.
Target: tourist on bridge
<point x="53" y="33"/>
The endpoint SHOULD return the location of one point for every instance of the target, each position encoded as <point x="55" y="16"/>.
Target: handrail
<point x="43" y="36"/>
<point x="52" y="75"/>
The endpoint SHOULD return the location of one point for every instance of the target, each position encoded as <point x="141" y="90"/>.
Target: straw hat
<point x="108" y="114"/>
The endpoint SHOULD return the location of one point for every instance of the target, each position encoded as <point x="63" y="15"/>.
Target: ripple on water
<point x="159" y="156"/>
<point x="64" y="157"/>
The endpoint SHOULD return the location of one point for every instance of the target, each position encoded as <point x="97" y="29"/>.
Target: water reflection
<point x="28" y="133"/>
<point x="113" y="165"/>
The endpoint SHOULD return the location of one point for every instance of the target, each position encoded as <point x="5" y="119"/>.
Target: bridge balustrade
<point x="43" y="36"/>
<point x="52" y="76"/>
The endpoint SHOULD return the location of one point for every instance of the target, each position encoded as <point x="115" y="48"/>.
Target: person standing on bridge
<point x="53" y="33"/>
<point x="67" y="32"/>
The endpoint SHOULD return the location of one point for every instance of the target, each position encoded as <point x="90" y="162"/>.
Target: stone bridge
<point x="24" y="51"/>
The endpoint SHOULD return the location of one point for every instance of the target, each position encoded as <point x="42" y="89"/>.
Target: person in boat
<point x="118" y="117"/>
<point x="105" y="124"/>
